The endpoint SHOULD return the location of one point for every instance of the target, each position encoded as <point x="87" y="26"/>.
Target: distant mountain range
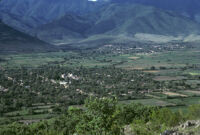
<point x="117" y="19"/>
<point x="188" y="8"/>
<point x="91" y="21"/>
<point x="33" y="13"/>
<point x="12" y="40"/>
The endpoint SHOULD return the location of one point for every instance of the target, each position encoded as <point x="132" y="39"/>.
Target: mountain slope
<point x="33" y="13"/>
<point x="55" y="8"/>
<point x="38" y="12"/>
<point x="68" y="28"/>
<point x="188" y="8"/>
<point x="12" y="40"/>
<point x="132" y="18"/>
<point x="21" y="23"/>
<point x="115" y="20"/>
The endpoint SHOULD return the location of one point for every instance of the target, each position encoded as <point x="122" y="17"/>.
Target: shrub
<point x="194" y="112"/>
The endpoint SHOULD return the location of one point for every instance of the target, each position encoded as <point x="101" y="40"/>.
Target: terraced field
<point x="30" y="114"/>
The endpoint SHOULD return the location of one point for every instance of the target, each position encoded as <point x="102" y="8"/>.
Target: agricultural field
<point x="170" y="99"/>
<point x="51" y="82"/>
<point x="191" y="92"/>
<point x="127" y="58"/>
<point x="29" y="115"/>
<point x="150" y="102"/>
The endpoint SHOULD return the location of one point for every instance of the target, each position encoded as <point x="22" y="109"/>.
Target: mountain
<point x="12" y="40"/>
<point x="68" y="21"/>
<point x="133" y="18"/>
<point x="34" y="13"/>
<point x="21" y="23"/>
<point x="26" y="15"/>
<point x="118" y="19"/>
<point x="48" y="9"/>
<point x="188" y="8"/>
<point x="67" y="28"/>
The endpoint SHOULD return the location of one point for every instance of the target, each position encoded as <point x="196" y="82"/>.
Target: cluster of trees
<point x="105" y="117"/>
<point x="42" y="85"/>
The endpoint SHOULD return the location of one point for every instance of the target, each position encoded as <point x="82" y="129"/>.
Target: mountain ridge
<point x="44" y="10"/>
<point x="12" y="40"/>
<point x="121" y="19"/>
<point x="69" y="22"/>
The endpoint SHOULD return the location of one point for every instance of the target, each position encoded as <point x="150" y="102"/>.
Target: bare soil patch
<point x="134" y="58"/>
<point x="168" y="78"/>
<point x="174" y="94"/>
<point x="193" y="92"/>
<point x="133" y="68"/>
<point x="151" y="71"/>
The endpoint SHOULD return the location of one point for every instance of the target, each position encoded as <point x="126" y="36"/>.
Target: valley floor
<point x="154" y="75"/>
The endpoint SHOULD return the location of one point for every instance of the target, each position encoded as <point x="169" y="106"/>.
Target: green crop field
<point x="175" y="59"/>
<point x="184" y="101"/>
<point x="150" y="102"/>
<point x="177" y="68"/>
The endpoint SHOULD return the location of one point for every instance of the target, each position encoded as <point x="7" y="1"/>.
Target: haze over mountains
<point x="78" y="21"/>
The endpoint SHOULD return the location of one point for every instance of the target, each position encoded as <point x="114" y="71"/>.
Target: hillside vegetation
<point x="105" y="116"/>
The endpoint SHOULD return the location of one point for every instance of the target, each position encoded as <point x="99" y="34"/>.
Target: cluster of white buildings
<point x="70" y="76"/>
<point x="3" y="89"/>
